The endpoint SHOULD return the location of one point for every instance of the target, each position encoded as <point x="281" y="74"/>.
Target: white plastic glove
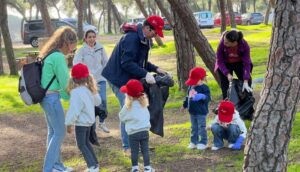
<point x="246" y="87"/>
<point x="150" y="78"/>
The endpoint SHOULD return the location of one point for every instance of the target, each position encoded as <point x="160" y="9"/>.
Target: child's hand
<point x="192" y="93"/>
<point x="181" y="109"/>
<point x="69" y="129"/>
<point x="208" y="127"/>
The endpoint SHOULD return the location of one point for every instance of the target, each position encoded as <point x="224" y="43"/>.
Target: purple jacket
<point x="244" y="52"/>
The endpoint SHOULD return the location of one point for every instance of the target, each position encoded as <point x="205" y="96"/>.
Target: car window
<point x="256" y="14"/>
<point x="36" y="26"/>
<point x="59" y="24"/>
<point x="205" y="15"/>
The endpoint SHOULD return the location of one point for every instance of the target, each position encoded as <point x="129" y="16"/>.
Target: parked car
<point x="34" y="29"/>
<point x="167" y="25"/>
<point x="136" y="20"/>
<point x="252" y="18"/>
<point x="204" y="19"/>
<point x="237" y="19"/>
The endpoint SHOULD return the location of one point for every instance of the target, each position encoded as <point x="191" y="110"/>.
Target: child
<point x="83" y="99"/>
<point x="136" y="117"/>
<point x="228" y="125"/>
<point x="197" y="103"/>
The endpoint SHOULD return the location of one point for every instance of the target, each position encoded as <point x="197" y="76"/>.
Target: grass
<point x="258" y="37"/>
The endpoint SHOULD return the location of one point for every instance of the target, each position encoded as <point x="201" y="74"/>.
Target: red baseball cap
<point x="157" y="23"/>
<point x="80" y="71"/>
<point x="133" y="88"/>
<point x="196" y="74"/>
<point x="226" y="111"/>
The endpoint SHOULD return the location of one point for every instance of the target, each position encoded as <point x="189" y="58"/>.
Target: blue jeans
<point x="121" y="98"/>
<point x="83" y="143"/>
<point x="102" y="93"/>
<point x="55" y="118"/>
<point x="231" y="134"/>
<point x="137" y="141"/>
<point x="198" y="129"/>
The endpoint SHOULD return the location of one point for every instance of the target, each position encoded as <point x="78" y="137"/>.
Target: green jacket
<point x="56" y="64"/>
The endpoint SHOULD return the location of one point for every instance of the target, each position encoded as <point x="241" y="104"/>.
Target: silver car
<point x="252" y="18"/>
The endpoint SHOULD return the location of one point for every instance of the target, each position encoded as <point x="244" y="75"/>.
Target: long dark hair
<point x="234" y="35"/>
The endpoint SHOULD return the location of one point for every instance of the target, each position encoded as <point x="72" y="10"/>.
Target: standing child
<point x="83" y="99"/>
<point x="136" y="117"/>
<point x="228" y="125"/>
<point x="197" y="104"/>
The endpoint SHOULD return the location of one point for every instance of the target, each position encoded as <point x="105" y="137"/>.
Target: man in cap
<point x="129" y="60"/>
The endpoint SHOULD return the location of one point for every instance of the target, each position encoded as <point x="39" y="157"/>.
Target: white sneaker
<point x="135" y="169"/>
<point x="149" y="169"/>
<point x="67" y="169"/>
<point x="214" y="148"/>
<point x="230" y="145"/>
<point x="103" y="127"/>
<point x="201" y="146"/>
<point x="192" y="146"/>
<point x="93" y="169"/>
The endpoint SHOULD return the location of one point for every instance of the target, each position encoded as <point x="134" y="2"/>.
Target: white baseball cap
<point x="87" y="28"/>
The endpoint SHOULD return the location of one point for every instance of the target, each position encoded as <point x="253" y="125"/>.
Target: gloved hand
<point x="238" y="143"/>
<point x="198" y="97"/>
<point x="246" y="87"/>
<point x="150" y="78"/>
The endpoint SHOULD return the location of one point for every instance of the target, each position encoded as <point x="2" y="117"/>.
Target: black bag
<point x="100" y="111"/>
<point x="30" y="87"/>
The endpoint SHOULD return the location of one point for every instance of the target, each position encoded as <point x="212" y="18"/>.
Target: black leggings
<point x="238" y="70"/>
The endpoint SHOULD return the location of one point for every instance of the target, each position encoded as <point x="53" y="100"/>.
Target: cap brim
<point x="190" y="82"/>
<point x="123" y="89"/>
<point x="159" y="33"/>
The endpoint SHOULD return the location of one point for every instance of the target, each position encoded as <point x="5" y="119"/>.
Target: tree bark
<point x="223" y="16"/>
<point x="195" y="35"/>
<point x="209" y="5"/>
<point x="165" y="12"/>
<point x="184" y="52"/>
<point x="231" y="14"/>
<point x="116" y="13"/>
<point x="266" y="19"/>
<point x="7" y="39"/>
<point x="109" y="23"/>
<point x="55" y="6"/>
<point x="90" y="15"/>
<point x="267" y="145"/>
<point x="45" y="16"/>
<point x="99" y="21"/>
<point x="141" y="7"/>
<point x="1" y="57"/>
<point x="80" y="20"/>
<point x="243" y="6"/>
<point x="254" y="5"/>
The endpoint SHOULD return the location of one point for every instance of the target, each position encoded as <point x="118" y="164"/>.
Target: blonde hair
<point x="62" y="37"/>
<point x="142" y="99"/>
<point x="89" y="82"/>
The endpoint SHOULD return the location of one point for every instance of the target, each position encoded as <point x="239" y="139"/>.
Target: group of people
<point x="128" y="63"/>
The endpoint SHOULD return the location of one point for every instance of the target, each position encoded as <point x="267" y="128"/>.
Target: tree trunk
<point x="99" y="21"/>
<point x="209" y="5"/>
<point x="199" y="41"/>
<point x="231" y="14"/>
<point x="267" y="145"/>
<point x="184" y="52"/>
<point x="266" y="19"/>
<point x="1" y="57"/>
<point x="55" y="6"/>
<point x="223" y="16"/>
<point x="10" y="56"/>
<point x="165" y="12"/>
<point x="116" y="13"/>
<point x="30" y="12"/>
<point x="37" y="12"/>
<point x="243" y="6"/>
<point x="203" y="6"/>
<point x="90" y="15"/>
<point x="45" y="16"/>
<point x="109" y="17"/>
<point x="254" y="5"/>
<point x="141" y="7"/>
<point x="80" y="20"/>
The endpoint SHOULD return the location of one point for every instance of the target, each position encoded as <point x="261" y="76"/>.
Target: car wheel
<point x="34" y="42"/>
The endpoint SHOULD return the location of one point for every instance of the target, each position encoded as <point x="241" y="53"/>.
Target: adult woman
<point x="63" y="40"/>
<point x="233" y="54"/>
<point x="94" y="56"/>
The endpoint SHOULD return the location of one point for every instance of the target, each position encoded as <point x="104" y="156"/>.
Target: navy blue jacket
<point x="128" y="58"/>
<point x="199" y="107"/>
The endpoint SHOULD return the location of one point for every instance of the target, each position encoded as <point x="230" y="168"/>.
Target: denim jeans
<point x="55" y="118"/>
<point x="121" y="98"/>
<point x="102" y="93"/>
<point x="137" y="140"/>
<point x="82" y="138"/>
<point x="231" y="134"/>
<point x="198" y="129"/>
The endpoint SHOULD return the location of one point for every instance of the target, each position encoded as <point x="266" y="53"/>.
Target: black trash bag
<point x="243" y="101"/>
<point x="157" y="94"/>
<point x="100" y="111"/>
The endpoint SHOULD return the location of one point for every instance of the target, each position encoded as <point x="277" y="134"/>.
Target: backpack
<point x="127" y="27"/>
<point x="30" y="87"/>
